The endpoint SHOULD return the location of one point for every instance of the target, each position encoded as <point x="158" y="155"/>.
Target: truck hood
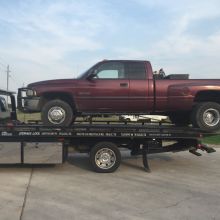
<point x="55" y="82"/>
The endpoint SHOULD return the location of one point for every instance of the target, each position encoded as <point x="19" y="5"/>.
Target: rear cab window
<point x="135" y="70"/>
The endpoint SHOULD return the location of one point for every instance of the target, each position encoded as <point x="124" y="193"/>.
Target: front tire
<point x="206" y="116"/>
<point x="105" y="157"/>
<point x="57" y="113"/>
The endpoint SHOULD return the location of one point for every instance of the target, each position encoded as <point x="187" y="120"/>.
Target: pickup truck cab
<point x="125" y="87"/>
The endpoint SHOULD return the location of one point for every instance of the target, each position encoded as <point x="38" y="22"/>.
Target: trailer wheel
<point x="57" y="113"/>
<point x="206" y="116"/>
<point x="105" y="157"/>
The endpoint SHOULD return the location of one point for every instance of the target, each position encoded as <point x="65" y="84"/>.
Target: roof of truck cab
<point x="105" y="60"/>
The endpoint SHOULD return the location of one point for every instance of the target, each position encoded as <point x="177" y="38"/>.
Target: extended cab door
<point x="107" y="91"/>
<point x="139" y="98"/>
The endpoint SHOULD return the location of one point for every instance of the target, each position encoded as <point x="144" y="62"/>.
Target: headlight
<point x="30" y="92"/>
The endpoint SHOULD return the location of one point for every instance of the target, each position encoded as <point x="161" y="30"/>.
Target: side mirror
<point x="91" y="75"/>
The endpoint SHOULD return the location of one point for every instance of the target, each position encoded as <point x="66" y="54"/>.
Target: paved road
<point x="181" y="186"/>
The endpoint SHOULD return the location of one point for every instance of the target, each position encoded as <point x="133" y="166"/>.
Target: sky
<point x="51" y="39"/>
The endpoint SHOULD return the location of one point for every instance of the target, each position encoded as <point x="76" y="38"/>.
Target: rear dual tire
<point x="206" y="116"/>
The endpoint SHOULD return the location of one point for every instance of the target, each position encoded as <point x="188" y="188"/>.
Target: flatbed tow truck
<point x="34" y="143"/>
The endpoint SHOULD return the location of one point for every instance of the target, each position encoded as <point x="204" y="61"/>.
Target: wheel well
<point x="210" y="96"/>
<point x="62" y="96"/>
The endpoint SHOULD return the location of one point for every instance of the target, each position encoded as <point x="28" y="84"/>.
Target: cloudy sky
<point x="47" y="39"/>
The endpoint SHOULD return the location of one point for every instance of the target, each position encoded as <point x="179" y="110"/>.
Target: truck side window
<point x="2" y="105"/>
<point x="135" y="70"/>
<point x="110" y="70"/>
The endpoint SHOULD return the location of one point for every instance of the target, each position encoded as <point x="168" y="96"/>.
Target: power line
<point x="3" y="60"/>
<point x="2" y="64"/>
<point x="15" y="81"/>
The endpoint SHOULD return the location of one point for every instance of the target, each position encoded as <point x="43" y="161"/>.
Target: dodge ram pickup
<point x="125" y="87"/>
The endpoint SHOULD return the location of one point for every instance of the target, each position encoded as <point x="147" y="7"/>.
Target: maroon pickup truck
<point x="125" y="87"/>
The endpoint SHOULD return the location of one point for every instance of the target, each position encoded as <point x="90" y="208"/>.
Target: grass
<point x="25" y="117"/>
<point x="212" y="140"/>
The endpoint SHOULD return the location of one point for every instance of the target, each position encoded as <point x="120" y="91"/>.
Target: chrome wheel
<point x="211" y="117"/>
<point x="56" y="115"/>
<point x="105" y="158"/>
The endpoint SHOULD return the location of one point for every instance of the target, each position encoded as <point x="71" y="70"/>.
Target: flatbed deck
<point x="99" y="130"/>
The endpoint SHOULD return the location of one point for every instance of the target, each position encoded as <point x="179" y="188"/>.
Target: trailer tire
<point x="105" y="157"/>
<point x="206" y="115"/>
<point x="57" y="113"/>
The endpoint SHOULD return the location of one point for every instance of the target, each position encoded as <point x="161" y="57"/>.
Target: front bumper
<point x="27" y="103"/>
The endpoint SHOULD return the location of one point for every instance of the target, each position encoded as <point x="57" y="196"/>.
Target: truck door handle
<point x="124" y="85"/>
